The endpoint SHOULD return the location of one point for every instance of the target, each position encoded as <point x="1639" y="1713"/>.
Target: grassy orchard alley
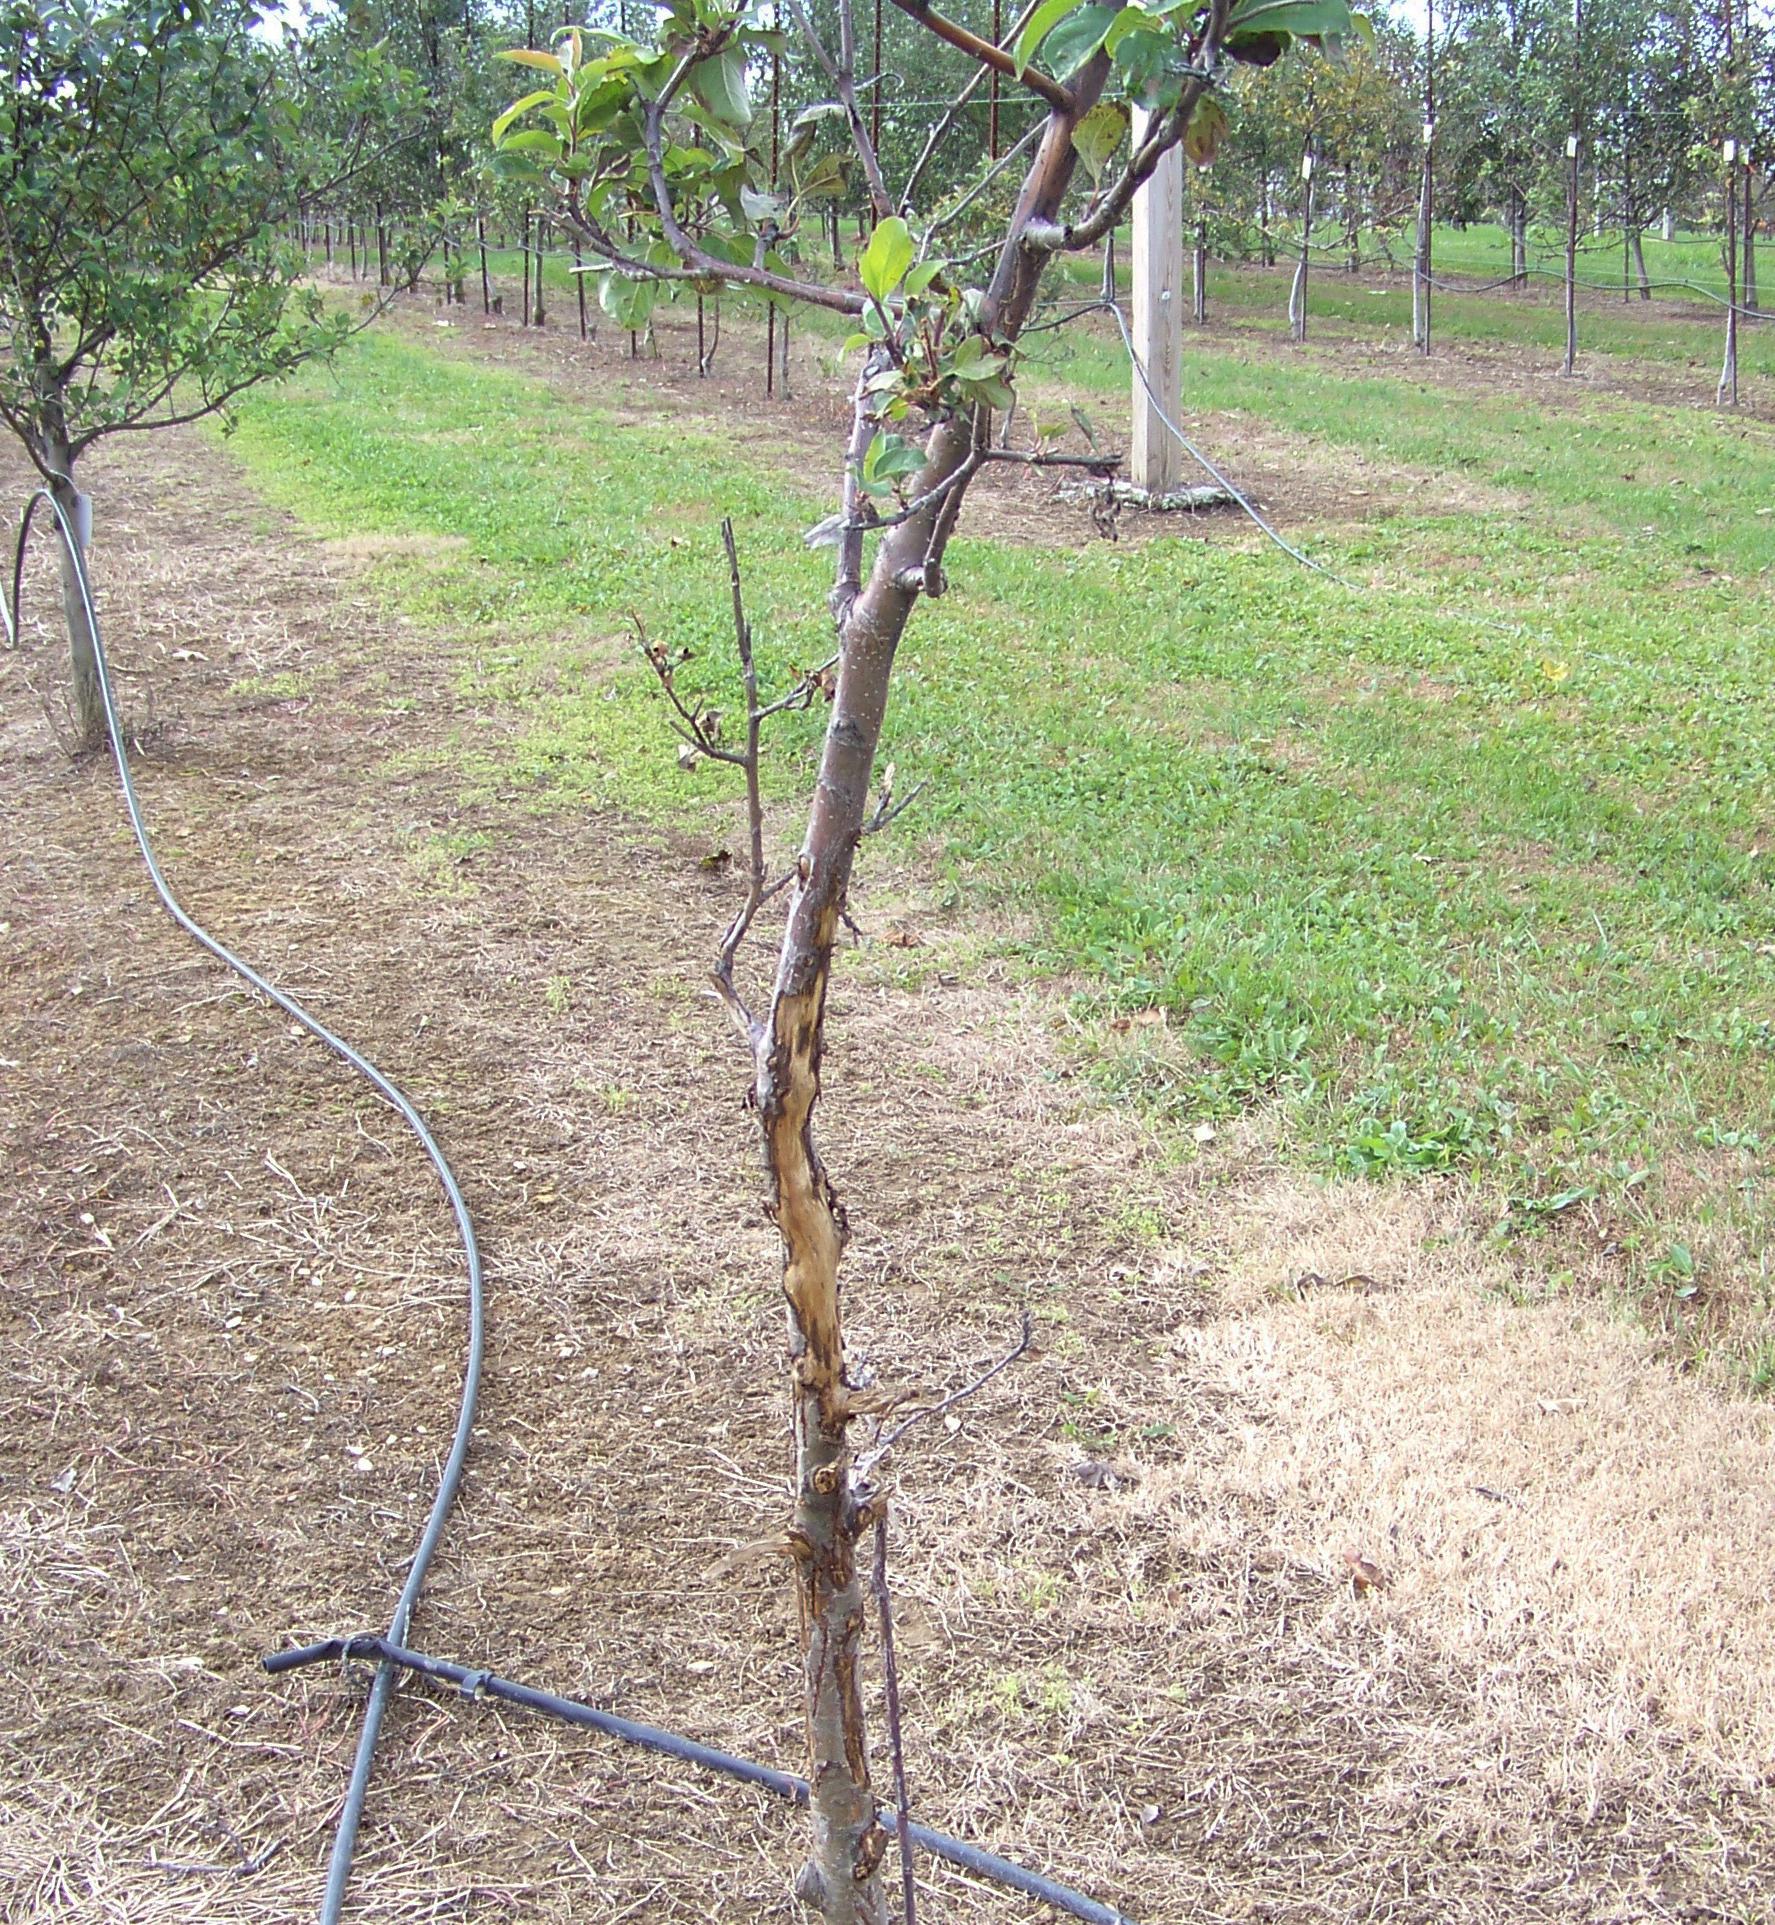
<point x="1465" y="868"/>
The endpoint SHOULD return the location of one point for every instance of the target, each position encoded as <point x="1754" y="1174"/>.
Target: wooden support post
<point x="1155" y="461"/>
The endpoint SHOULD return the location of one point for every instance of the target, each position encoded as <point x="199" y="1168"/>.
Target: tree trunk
<point x="1421" y="266"/>
<point x="486" y="282"/>
<point x="1668" y="227"/>
<point x="1748" y="251"/>
<point x="85" y="703"/>
<point x="539" y="316"/>
<point x="1352" y="225"/>
<point x="1636" y="242"/>
<point x="1199" y="284"/>
<point x="382" y="275"/>
<point x="831" y="1512"/>
<point x="1518" y="236"/>
<point x="1297" y="294"/>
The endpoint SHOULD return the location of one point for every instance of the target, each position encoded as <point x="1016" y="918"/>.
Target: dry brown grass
<point x="232" y="1318"/>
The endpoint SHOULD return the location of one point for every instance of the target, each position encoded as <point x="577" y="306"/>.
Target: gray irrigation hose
<point x="345" y="1839"/>
<point x="390" y="1652"/>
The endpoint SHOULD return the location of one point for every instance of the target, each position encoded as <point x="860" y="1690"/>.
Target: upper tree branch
<point x="985" y="52"/>
<point x="952" y="112"/>
<point x="842" y="74"/>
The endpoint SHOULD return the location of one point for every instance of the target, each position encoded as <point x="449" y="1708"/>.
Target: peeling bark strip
<point x="832" y="1510"/>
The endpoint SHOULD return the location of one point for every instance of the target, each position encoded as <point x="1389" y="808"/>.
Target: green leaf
<point x="762" y="209"/>
<point x="1286" y="16"/>
<point x="521" y="107"/>
<point x="810" y="117"/>
<point x="1041" y="23"/>
<point x="887" y="257"/>
<point x="1076" y="39"/>
<point x="628" y="303"/>
<point x="720" y="84"/>
<point x="530" y="57"/>
<point x="1150" y="65"/>
<point x="887" y="459"/>
<point x="1099" y="135"/>
<point x="825" y="180"/>
<point x="533" y="140"/>
<point x="922" y="276"/>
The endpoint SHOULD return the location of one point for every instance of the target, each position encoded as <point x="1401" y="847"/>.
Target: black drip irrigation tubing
<point x="477" y="1684"/>
<point x="390" y="1653"/>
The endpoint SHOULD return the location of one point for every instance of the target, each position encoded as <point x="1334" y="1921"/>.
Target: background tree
<point x="651" y="151"/>
<point x="153" y="161"/>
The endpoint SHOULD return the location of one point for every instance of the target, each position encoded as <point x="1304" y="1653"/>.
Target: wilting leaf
<point x="1202" y="138"/>
<point x="1099" y="135"/>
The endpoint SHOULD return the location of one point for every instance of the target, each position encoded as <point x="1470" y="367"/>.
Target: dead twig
<point x="699" y="725"/>
<point x="872" y="1458"/>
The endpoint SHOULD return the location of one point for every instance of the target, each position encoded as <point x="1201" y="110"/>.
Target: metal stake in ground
<point x="776" y="139"/>
<point x="1571" y="255"/>
<point x="1421" y="259"/>
<point x="1728" y="388"/>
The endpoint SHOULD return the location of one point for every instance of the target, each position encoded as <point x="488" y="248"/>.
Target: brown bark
<point x="831" y="1512"/>
<point x="54" y="453"/>
<point x="1748" y="259"/>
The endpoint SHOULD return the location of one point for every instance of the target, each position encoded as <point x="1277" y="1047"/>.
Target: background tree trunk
<point x="1297" y="294"/>
<point x="1636" y="241"/>
<point x="1748" y="249"/>
<point x="84" y="700"/>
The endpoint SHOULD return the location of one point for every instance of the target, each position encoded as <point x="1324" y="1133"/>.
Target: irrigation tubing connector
<point x="450" y="1477"/>
<point x="390" y="1653"/>
<point x="476" y="1684"/>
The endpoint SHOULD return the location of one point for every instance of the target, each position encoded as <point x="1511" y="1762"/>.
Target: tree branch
<point x="842" y="74"/>
<point x="986" y="53"/>
<point x="952" y="112"/>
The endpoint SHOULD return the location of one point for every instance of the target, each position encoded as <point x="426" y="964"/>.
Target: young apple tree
<point x="646" y="149"/>
<point x="152" y="161"/>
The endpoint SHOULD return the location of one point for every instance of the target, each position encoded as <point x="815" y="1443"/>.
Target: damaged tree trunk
<point x="833" y="1512"/>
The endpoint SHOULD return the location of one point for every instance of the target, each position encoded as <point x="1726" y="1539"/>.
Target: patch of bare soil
<point x="1135" y="1647"/>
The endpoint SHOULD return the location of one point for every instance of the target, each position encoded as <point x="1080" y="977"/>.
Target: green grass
<point x="1465" y="867"/>
<point x="1680" y="330"/>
